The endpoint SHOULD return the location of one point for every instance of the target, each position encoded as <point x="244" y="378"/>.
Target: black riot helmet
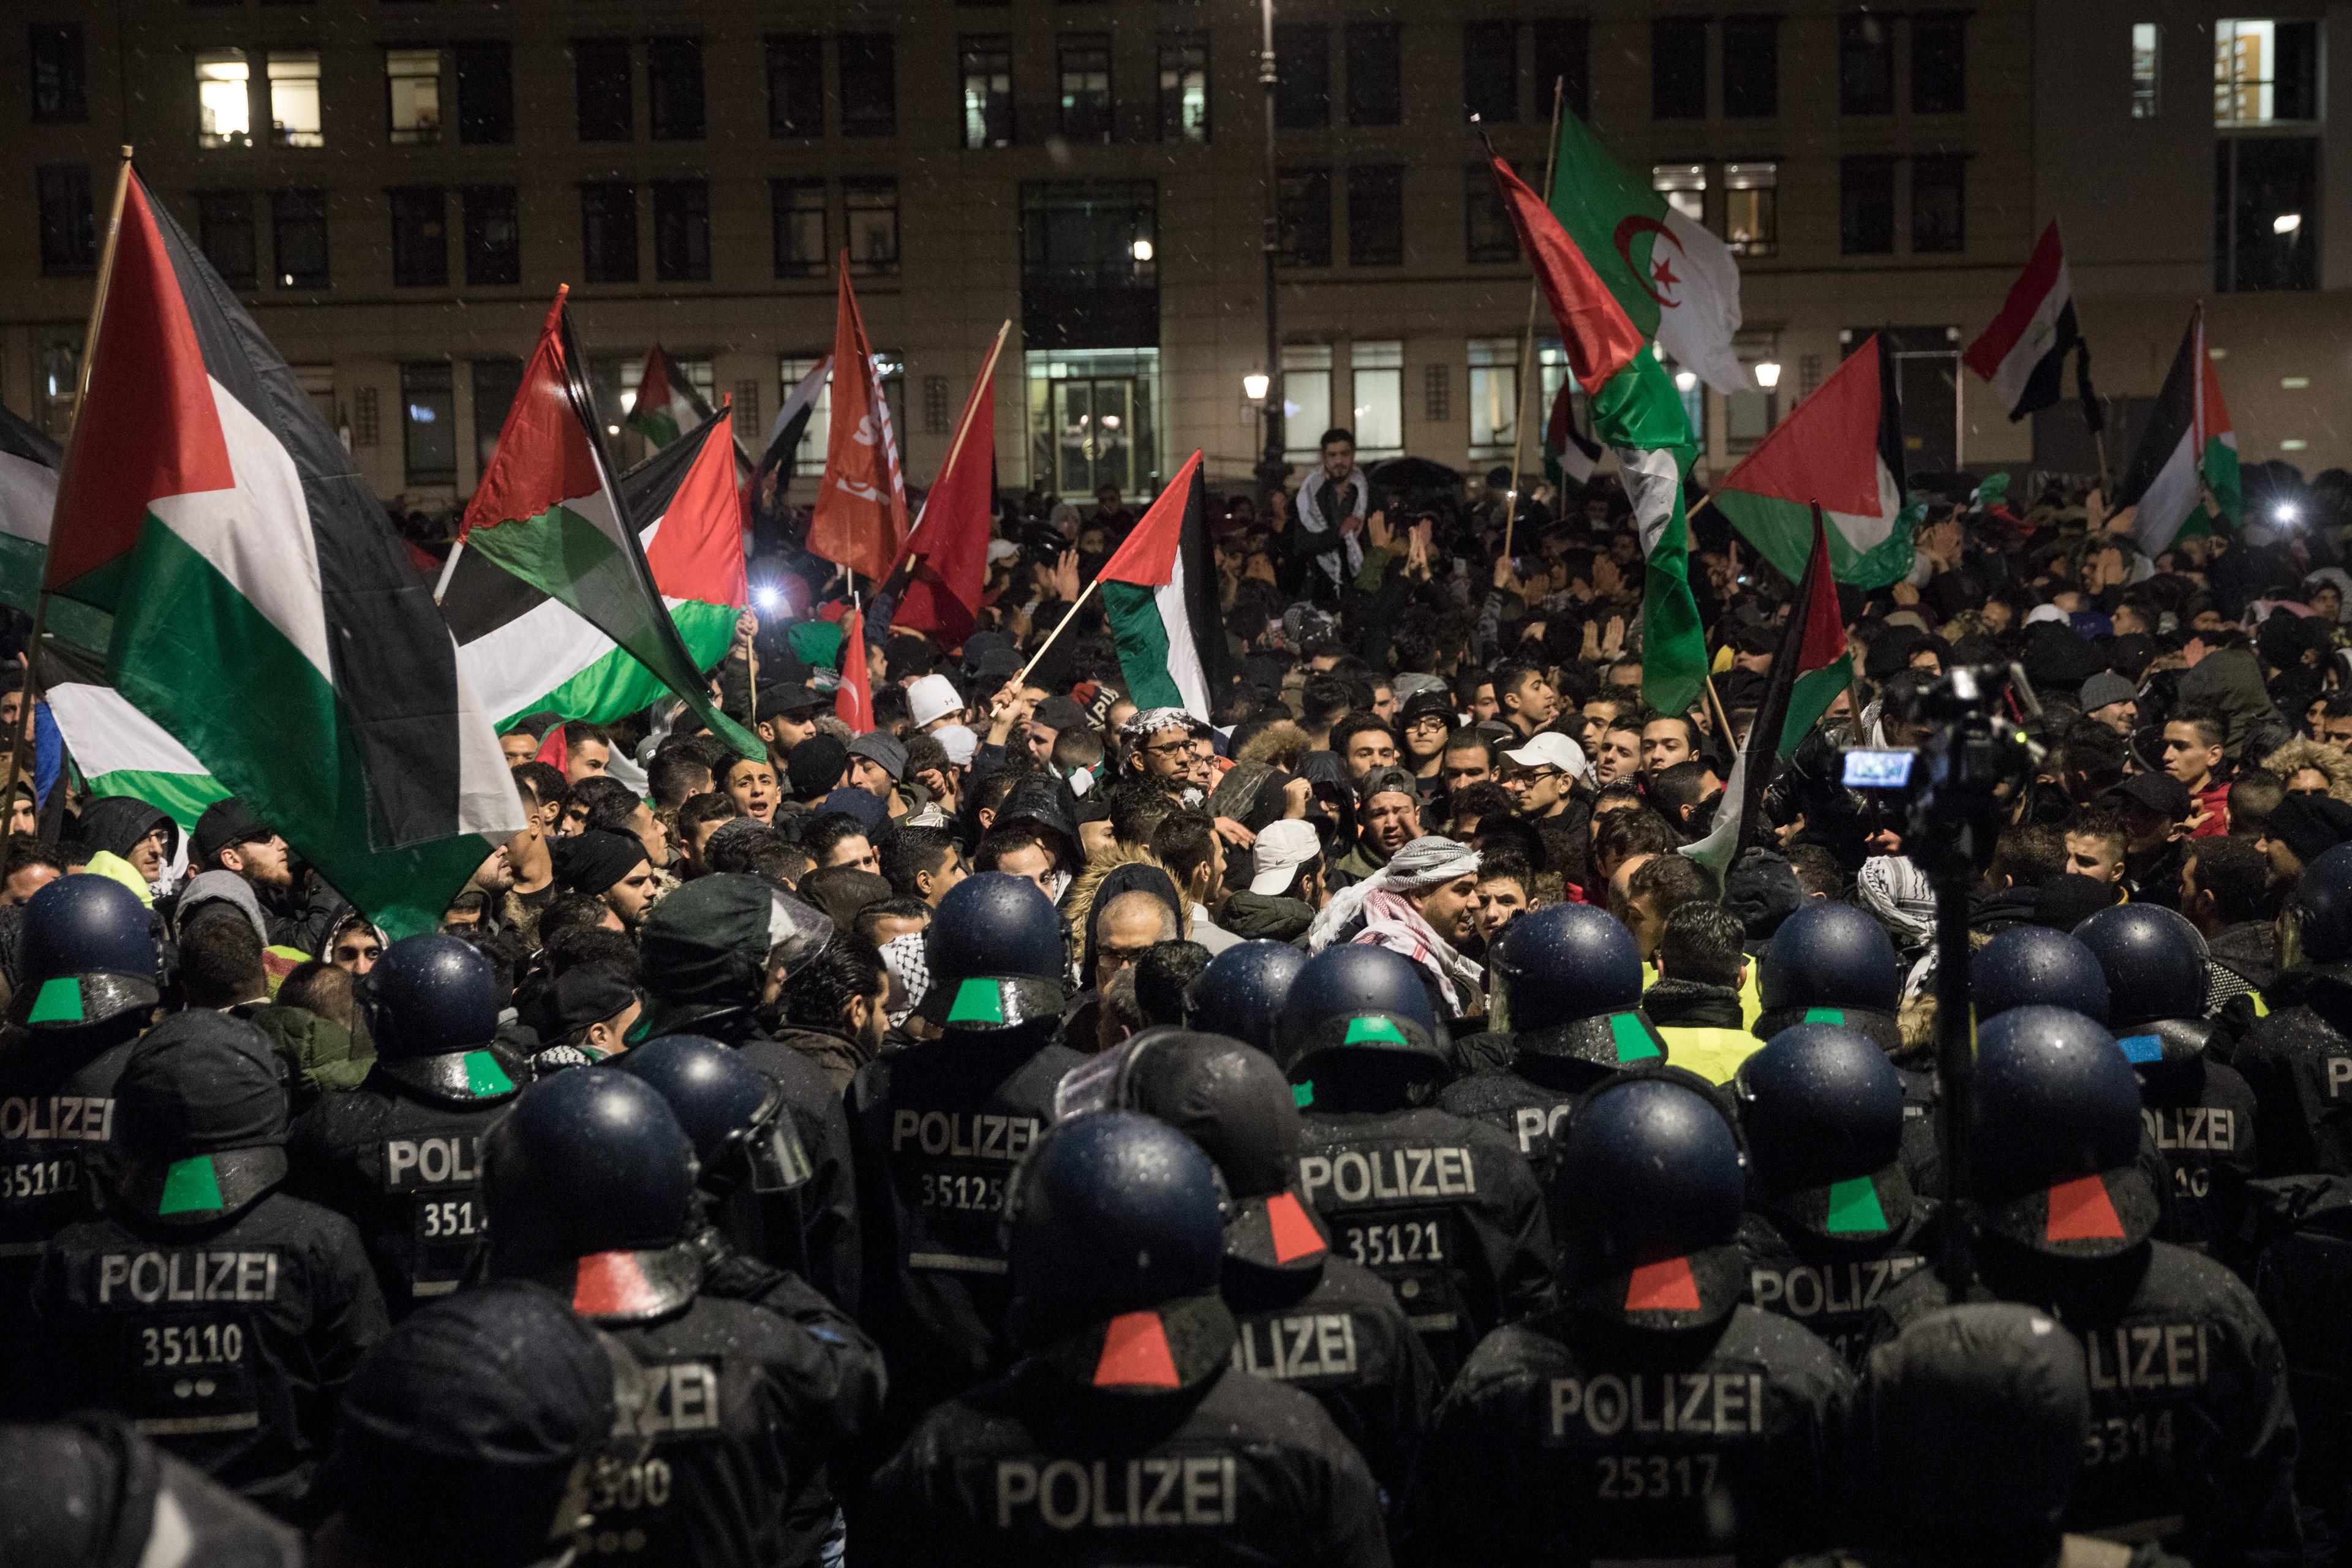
<point x="1822" y="1109"/>
<point x="431" y="1008"/>
<point x="1647" y="1195"/>
<point x="87" y="956"/>
<point x="1566" y="980"/>
<point x="997" y="956"/>
<point x="1832" y="963"/>
<point x="1364" y="1001"/>
<point x="2054" y="1136"/>
<point x="1110" y="1214"/>
<point x="2154" y="962"/>
<point x="199" y="1120"/>
<point x="731" y="1112"/>
<point x="1241" y="992"/>
<point x="588" y="1182"/>
<point x="2029" y="965"/>
<point x="2322" y="905"/>
<point x="90" y="1492"/>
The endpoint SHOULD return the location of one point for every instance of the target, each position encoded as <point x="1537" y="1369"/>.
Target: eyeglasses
<point x="1171" y="749"/>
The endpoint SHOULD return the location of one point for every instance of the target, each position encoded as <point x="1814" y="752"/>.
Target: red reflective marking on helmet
<point x="610" y="1282"/>
<point x="1135" y="1353"/>
<point x="1666" y="1286"/>
<point x="2080" y="1210"/>
<point x="1295" y="1235"/>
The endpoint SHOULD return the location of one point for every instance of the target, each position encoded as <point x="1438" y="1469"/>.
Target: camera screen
<point x="1877" y="770"/>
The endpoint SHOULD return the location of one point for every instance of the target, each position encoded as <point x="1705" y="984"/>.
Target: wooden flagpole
<point x="899" y="574"/>
<point x="1528" y="337"/>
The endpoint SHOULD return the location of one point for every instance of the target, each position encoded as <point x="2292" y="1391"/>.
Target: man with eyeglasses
<point x="1542" y="775"/>
<point x="1160" y="747"/>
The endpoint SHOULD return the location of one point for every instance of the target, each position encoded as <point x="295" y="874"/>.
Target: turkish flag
<point x="861" y="509"/>
<point x="949" y="546"/>
<point x="853" y="699"/>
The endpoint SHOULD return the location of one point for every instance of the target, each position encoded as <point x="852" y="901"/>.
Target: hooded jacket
<point x="116" y="823"/>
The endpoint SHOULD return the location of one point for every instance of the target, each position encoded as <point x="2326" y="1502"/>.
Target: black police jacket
<point x="936" y="1130"/>
<point x="2302" y="1280"/>
<point x="1570" y="1440"/>
<point x="812" y="1230"/>
<point x="2192" y="1438"/>
<point x="1440" y="1207"/>
<point x="1040" y="1468"/>
<point x="2201" y="1116"/>
<point x="2298" y="1063"/>
<point x="226" y="1344"/>
<point x="405" y="1166"/>
<point x="57" y="1111"/>
<point x="1532" y="1115"/>
<point x="1830" y="1285"/>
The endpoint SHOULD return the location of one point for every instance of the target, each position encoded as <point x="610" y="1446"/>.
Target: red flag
<point x="853" y="701"/>
<point x="1599" y="339"/>
<point x="553" y="750"/>
<point x="949" y="544"/>
<point x="861" y="509"/>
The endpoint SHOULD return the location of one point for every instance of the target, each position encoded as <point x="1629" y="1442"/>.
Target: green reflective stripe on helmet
<point x="1825" y="1015"/>
<point x="191" y="1186"/>
<point x="59" y="1002"/>
<point x="976" y="1001"/>
<point x="1363" y="1031"/>
<point x="485" y="1077"/>
<point x="1854" y="1208"/>
<point x="1633" y="1041"/>
<point x="1302" y="1095"/>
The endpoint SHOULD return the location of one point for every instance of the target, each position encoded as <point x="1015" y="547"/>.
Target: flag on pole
<point x="266" y="616"/>
<point x="2189" y="443"/>
<point x="770" y="483"/>
<point x="1842" y="447"/>
<point x="1568" y="457"/>
<point x="853" y="699"/>
<point x="1671" y="279"/>
<point x="28" y="494"/>
<point x="1160" y="596"/>
<point x="547" y="512"/>
<point x="2023" y="352"/>
<point x="949" y="548"/>
<point x="861" y="509"/>
<point x="1637" y="411"/>
<point x="665" y="406"/>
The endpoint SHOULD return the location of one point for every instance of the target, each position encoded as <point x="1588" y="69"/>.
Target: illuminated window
<point x="412" y="79"/>
<point x="2264" y="71"/>
<point x="2147" y="68"/>
<point x="1684" y="187"/>
<point x="294" y="98"/>
<point x="224" y="98"/>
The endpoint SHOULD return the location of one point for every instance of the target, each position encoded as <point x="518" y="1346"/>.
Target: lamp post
<point x="1271" y="469"/>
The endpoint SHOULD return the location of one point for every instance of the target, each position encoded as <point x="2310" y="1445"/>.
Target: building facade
<point x="396" y="188"/>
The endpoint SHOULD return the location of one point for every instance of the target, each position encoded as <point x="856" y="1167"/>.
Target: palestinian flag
<point x="2188" y="444"/>
<point x="1568" y="457"/>
<point x="120" y="750"/>
<point x="1160" y="593"/>
<point x="549" y="513"/>
<point x="266" y="616"/>
<point x="527" y="652"/>
<point x="2023" y="352"/>
<point x="1636" y="411"/>
<point x="1842" y="447"/>
<point x="666" y="403"/>
<point x="28" y="494"/>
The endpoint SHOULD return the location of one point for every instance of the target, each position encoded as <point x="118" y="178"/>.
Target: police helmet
<point x="997" y="956"/>
<point x="432" y="1007"/>
<point x="1359" y="999"/>
<point x="2054" y="1136"/>
<point x="2029" y="965"/>
<point x="2154" y="962"/>
<point x="1647" y="1195"/>
<point x="87" y="956"/>
<point x="2322" y="905"/>
<point x="1822" y="1109"/>
<point x="199" y="1120"/>
<point x="1566" y="980"/>
<point x="90" y="1489"/>
<point x="733" y="1113"/>
<point x="1832" y="963"/>
<point x="1241" y="992"/>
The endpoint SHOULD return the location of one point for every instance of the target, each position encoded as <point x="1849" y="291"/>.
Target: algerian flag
<point x="1637" y="410"/>
<point x="666" y="404"/>
<point x="1842" y="447"/>
<point x="1160" y="593"/>
<point x="2188" y="442"/>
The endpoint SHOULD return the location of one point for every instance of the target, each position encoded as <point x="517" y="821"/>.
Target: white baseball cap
<point x="1282" y="847"/>
<point x="1552" y="750"/>
<point x="960" y="744"/>
<point x="930" y="697"/>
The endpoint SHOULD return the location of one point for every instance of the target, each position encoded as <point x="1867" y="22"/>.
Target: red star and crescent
<point x="1660" y="272"/>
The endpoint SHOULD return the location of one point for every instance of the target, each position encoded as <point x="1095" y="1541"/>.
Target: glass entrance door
<point x="1094" y="441"/>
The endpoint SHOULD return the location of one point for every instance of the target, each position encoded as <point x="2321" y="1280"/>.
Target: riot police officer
<point x="2298" y="1060"/>
<point x="590" y="1183"/>
<point x="402" y="1153"/>
<point x="2192" y="1439"/>
<point x="1239" y="993"/>
<point x="1302" y="1315"/>
<point x="1564" y="986"/>
<point x="2028" y="966"/>
<point x="91" y="1491"/>
<point x="1833" y="1221"/>
<point x="1440" y="1207"/>
<point x="1831" y="963"/>
<point x="221" y="1315"/>
<point x="2197" y="1111"/>
<point x="2302" y="1277"/>
<point x="1126" y="1435"/>
<point x="1652" y="1415"/>
<point x="938" y="1128"/>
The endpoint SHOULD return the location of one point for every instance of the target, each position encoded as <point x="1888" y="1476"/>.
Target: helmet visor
<point x="779" y="1163"/>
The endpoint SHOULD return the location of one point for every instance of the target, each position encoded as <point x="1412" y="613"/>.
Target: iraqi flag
<point x="2187" y="452"/>
<point x="665" y="406"/>
<point x="2023" y="352"/>
<point x="861" y="509"/>
<point x="770" y="484"/>
<point x="1842" y="447"/>
<point x="264" y="615"/>
<point x="527" y="652"/>
<point x="1160" y="594"/>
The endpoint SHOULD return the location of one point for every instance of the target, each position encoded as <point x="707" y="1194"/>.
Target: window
<point x="1749" y="414"/>
<point x="428" y="422"/>
<point x="1751" y="66"/>
<point x="682" y="231"/>
<point x="746" y="409"/>
<point x="1939" y="75"/>
<point x="297" y="238"/>
<point x="2266" y="217"/>
<point x="485" y="94"/>
<point x="608" y="232"/>
<point x="872" y="208"/>
<point x="1939" y="205"/>
<point x="420" y="237"/>
<point x="1306" y="399"/>
<point x="674" y="88"/>
<point x="1085" y="64"/>
<point x="1376" y="216"/>
<point x="1436" y="393"/>
<point x="1865" y="65"/>
<point x="1494" y="397"/>
<point x="68" y="223"/>
<point x="1490" y="71"/>
<point x="869" y="88"/>
<point x="1866" y="207"/>
<point x="1183" y="87"/>
<point x="1378" y="414"/>
<point x="801" y="248"/>
<point x="808" y="457"/>
<point x="411" y="78"/>
<point x="224" y="98"/>
<point x="987" y="92"/>
<point x="1302" y="217"/>
<point x="1302" y="95"/>
<point x="796" y="86"/>
<point x="1487" y="227"/>
<point x="60" y="73"/>
<point x="2264" y="71"/>
<point x="496" y="383"/>
<point x="1375" y="74"/>
<point x="294" y="98"/>
<point x="1751" y="215"/>
<point x="2147" y="69"/>
<point x="224" y="229"/>
<point x="600" y="74"/>
<point x="493" y="236"/>
<point x="1093" y="238"/>
<point x="1678" y="67"/>
<point x="1684" y="187"/>
<point x="1563" y="49"/>
<point x="367" y="416"/>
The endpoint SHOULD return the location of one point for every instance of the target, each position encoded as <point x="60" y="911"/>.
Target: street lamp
<point x="1254" y="385"/>
<point x="1768" y="374"/>
<point x="1142" y="249"/>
